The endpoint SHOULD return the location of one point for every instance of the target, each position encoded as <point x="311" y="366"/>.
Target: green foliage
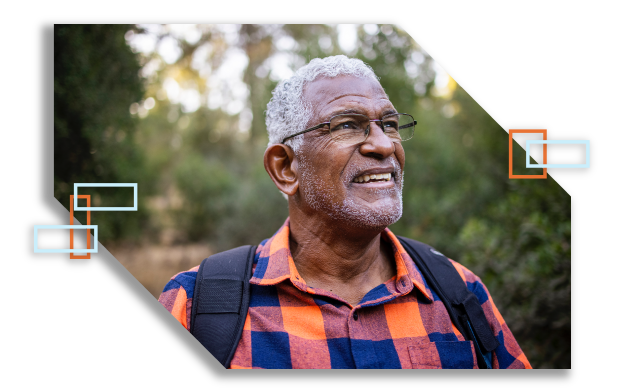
<point x="206" y="201"/>
<point x="521" y="248"/>
<point x="96" y="79"/>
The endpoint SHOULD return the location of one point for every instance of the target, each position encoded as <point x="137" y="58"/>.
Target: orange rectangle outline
<point x="518" y="176"/>
<point x="72" y="221"/>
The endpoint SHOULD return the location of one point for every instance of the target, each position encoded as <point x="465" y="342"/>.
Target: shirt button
<point x="355" y="316"/>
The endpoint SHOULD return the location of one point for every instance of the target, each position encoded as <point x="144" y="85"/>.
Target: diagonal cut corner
<point x="526" y="176"/>
<point x="72" y="219"/>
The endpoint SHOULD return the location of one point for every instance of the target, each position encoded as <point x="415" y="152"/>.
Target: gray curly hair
<point x="287" y="112"/>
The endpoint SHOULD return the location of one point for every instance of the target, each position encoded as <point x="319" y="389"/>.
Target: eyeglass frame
<point x="315" y="127"/>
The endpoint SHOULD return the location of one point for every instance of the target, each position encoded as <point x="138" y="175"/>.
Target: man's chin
<point x="375" y="215"/>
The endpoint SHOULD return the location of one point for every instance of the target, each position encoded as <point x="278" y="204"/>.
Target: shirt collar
<point x="275" y="264"/>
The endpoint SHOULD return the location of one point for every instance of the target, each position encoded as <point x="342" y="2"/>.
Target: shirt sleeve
<point x="508" y="355"/>
<point x="177" y="296"/>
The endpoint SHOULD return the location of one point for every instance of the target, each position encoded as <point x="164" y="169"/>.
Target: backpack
<point x="222" y="294"/>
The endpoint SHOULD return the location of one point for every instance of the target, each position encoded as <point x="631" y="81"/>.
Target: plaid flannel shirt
<point x="398" y="324"/>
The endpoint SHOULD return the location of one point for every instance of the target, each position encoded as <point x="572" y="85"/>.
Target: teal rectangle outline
<point x="558" y="165"/>
<point x="109" y="185"/>
<point x="78" y="227"/>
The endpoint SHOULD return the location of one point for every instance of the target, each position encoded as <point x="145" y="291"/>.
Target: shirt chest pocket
<point x="443" y="355"/>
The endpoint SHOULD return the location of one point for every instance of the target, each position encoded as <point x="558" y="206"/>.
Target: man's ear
<point x="280" y="163"/>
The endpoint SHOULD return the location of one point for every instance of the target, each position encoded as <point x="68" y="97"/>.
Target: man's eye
<point x="391" y="124"/>
<point x="348" y="125"/>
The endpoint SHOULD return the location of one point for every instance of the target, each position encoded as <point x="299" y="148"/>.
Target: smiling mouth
<point x="369" y="178"/>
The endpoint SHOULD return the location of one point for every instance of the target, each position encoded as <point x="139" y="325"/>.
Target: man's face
<point x="331" y="175"/>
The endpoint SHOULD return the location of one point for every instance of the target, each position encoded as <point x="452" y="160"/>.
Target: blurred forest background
<point x="179" y="109"/>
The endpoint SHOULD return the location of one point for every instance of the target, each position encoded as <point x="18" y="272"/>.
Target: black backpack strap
<point x="462" y="305"/>
<point x="220" y="301"/>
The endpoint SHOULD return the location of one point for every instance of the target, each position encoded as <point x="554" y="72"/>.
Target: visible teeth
<point x="368" y="177"/>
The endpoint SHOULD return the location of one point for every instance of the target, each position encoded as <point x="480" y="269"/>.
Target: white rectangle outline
<point x="560" y="165"/>
<point x="109" y="185"/>
<point x="78" y="227"/>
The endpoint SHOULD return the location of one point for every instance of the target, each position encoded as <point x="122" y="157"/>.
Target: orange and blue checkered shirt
<point x="401" y="323"/>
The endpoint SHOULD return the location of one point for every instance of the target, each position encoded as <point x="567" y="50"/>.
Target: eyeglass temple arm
<point x="412" y="124"/>
<point x="307" y="130"/>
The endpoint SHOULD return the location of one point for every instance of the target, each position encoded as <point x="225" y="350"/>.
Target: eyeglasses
<point x="350" y="129"/>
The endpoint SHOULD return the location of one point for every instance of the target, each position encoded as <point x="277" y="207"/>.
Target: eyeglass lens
<point x="354" y="128"/>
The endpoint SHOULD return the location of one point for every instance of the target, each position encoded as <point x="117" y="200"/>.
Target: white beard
<point x="318" y="194"/>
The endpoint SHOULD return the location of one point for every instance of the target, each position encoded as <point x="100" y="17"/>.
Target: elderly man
<point x="334" y="287"/>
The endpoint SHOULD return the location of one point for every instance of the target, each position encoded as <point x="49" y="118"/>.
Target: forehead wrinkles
<point x="373" y="108"/>
<point x="325" y="96"/>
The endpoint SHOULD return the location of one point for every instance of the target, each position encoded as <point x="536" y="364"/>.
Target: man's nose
<point x="377" y="143"/>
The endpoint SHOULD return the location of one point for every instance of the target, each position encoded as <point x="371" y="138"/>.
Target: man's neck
<point x="346" y="261"/>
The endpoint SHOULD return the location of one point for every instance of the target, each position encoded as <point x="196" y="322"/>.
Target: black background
<point x="97" y="313"/>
